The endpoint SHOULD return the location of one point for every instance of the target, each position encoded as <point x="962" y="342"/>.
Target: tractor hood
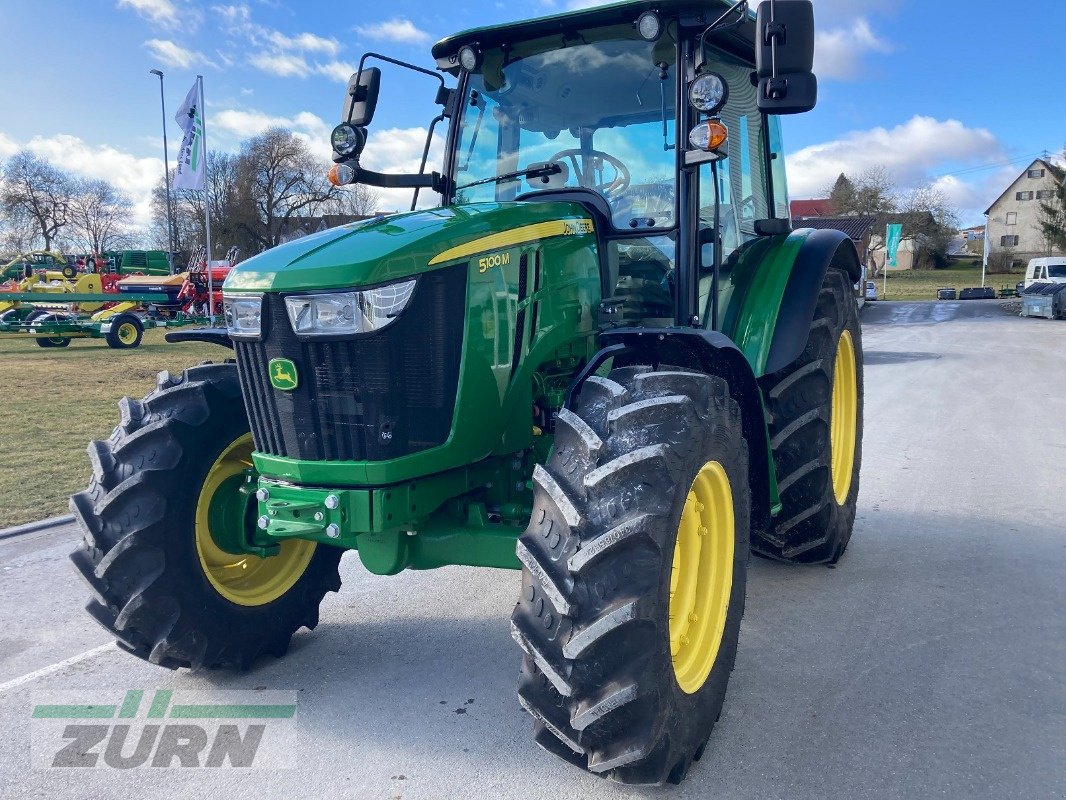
<point x="395" y="247"/>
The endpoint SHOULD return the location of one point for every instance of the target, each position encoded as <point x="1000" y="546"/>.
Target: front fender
<point x="772" y="292"/>
<point x="714" y="354"/>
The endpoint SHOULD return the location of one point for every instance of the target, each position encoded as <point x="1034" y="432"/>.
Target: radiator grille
<point x="371" y="397"/>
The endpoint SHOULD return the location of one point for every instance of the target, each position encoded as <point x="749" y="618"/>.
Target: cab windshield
<point x="596" y="115"/>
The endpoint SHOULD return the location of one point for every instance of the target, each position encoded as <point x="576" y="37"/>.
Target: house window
<point x="1012" y="217"/>
<point x="1008" y="241"/>
<point x="1045" y="194"/>
<point x="1036" y="173"/>
<point x="1023" y="195"/>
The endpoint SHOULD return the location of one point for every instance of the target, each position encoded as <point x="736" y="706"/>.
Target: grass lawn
<point x="921" y="284"/>
<point x="55" y="401"/>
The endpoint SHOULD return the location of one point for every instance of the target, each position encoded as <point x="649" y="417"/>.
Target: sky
<point x="959" y="93"/>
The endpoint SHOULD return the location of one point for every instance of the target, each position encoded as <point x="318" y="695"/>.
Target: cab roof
<point x="701" y="12"/>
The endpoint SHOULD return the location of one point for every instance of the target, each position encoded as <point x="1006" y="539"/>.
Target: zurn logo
<point x="164" y="729"/>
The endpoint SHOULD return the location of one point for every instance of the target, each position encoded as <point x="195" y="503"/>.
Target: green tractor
<point x="604" y="359"/>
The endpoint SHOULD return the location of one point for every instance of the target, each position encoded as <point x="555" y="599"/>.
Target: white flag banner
<point x="191" y="167"/>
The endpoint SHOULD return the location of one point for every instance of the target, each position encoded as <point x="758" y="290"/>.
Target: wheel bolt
<point x="703" y="531"/>
<point x="263" y="523"/>
<point x="332" y="501"/>
<point x="692" y="618"/>
<point x="333" y="531"/>
<point x="685" y="640"/>
<point x="700" y="507"/>
<point x="319" y="516"/>
<point x="262" y="495"/>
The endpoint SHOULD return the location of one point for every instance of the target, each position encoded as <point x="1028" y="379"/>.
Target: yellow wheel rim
<point x="127" y="333"/>
<point x="702" y="577"/>
<point x="246" y="580"/>
<point x="843" y="417"/>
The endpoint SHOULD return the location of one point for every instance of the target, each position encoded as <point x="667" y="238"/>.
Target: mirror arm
<point x="425" y="157"/>
<point x="388" y="180"/>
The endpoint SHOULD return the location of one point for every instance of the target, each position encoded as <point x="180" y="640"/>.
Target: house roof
<point x="855" y="228"/>
<point x="1058" y="173"/>
<point x="810" y="208"/>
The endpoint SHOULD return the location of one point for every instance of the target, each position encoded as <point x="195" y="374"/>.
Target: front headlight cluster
<point x="325" y="314"/>
<point x="346" y="313"/>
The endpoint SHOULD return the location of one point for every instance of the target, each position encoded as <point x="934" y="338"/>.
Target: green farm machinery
<point x="604" y="359"/>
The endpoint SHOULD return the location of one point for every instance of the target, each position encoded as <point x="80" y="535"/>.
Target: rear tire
<point x="601" y="676"/>
<point x="817" y="518"/>
<point x="142" y="556"/>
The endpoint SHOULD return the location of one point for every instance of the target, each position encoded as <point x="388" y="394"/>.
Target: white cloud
<point x="337" y="70"/>
<point x="133" y="175"/>
<point x="305" y="42"/>
<point x="911" y="152"/>
<point x="394" y="30"/>
<point x="309" y="127"/>
<point x="284" y="65"/>
<point x="914" y="153"/>
<point x="161" y="12"/>
<point x="174" y="55"/>
<point x="399" y="150"/>
<point x="838" y="52"/>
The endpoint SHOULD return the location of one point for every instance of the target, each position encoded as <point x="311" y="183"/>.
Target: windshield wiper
<point x="541" y="170"/>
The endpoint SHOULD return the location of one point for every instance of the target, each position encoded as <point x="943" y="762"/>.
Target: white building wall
<point x="1011" y="216"/>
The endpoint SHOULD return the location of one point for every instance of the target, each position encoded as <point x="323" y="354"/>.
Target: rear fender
<point x="713" y="353"/>
<point x="772" y="293"/>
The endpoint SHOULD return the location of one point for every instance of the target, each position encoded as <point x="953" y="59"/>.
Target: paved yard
<point x="930" y="663"/>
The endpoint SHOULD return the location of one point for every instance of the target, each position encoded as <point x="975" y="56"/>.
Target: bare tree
<point x="280" y="179"/>
<point x="1052" y="219"/>
<point x="100" y="216"/>
<point x="357" y="200"/>
<point x="871" y="193"/>
<point x="33" y="190"/>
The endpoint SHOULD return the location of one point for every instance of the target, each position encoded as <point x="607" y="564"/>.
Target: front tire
<point x="162" y="485"/>
<point x="635" y="563"/>
<point x="815" y="406"/>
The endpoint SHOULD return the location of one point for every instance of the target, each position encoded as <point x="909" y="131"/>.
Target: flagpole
<point x="207" y="204"/>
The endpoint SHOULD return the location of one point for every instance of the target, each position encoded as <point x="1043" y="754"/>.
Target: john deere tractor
<point x="604" y="359"/>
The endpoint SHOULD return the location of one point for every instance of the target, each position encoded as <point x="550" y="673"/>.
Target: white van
<point x="1046" y="270"/>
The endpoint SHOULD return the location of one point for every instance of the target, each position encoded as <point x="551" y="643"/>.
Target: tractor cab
<point x="655" y="118"/>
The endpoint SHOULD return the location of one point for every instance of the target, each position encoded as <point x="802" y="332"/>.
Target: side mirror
<point x="362" y="97"/>
<point x="784" y="56"/>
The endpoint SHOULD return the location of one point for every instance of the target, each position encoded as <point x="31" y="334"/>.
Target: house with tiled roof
<point x="1013" y="227"/>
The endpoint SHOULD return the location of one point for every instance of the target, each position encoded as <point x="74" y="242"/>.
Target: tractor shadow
<point x="416" y="674"/>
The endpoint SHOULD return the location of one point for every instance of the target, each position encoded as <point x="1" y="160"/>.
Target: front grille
<point x="364" y="398"/>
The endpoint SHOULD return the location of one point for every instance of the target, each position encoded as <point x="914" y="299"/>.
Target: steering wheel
<point x="578" y="157"/>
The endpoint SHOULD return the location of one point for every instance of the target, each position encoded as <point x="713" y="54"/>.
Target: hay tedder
<point x="605" y="360"/>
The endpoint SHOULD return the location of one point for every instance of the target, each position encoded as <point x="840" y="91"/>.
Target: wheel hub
<point x="701" y="577"/>
<point x="244" y="579"/>
<point x="842" y="419"/>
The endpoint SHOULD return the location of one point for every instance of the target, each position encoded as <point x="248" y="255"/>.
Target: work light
<point x="469" y="57"/>
<point x="708" y="93"/>
<point x="649" y="26"/>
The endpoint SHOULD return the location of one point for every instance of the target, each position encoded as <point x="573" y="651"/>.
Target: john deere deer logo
<point x="283" y="374"/>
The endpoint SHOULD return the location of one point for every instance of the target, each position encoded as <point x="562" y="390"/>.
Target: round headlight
<point x="347" y="139"/>
<point x="469" y="58"/>
<point x="708" y="93"/>
<point x="649" y="26"/>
